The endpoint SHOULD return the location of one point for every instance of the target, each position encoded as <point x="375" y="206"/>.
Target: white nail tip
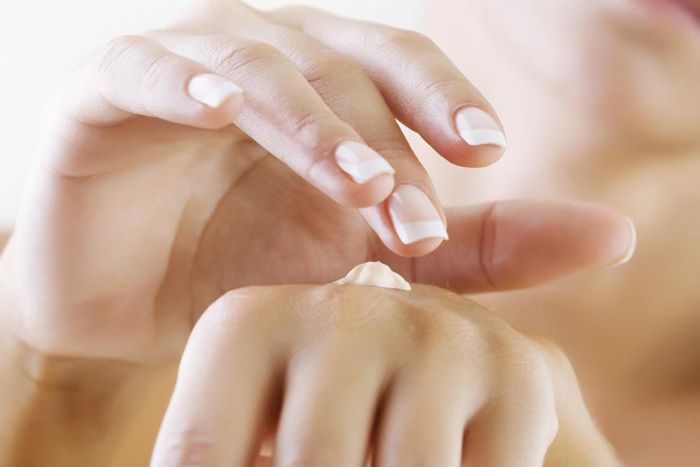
<point x="632" y="246"/>
<point x="361" y="162"/>
<point x="365" y="171"/>
<point x="212" y="90"/>
<point x="416" y="231"/>
<point x="477" y="127"/>
<point x="483" y="137"/>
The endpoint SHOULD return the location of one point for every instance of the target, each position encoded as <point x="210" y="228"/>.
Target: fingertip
<point x="415" y="216"/>
<point x="610" y="235"/>
<point x="220" y="100"/>
<point x="417" y="249"/>
<point x="212" y="90"/>
<point x="360" y="162"/>
<point x="383" y="224"/>
<point x="481" y="140"/>
<point x="464" y="155"/>
<point x="410" y="223"/>
<point x="477" y="127"/>
<point x="623" y="241"/>
<point x="536" y="241"/>
<point x="356" y="176"/>
<point x="474" y="145"/>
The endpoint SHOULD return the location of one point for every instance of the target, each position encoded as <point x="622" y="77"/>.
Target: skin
<point x="434" y="354"/>
<point x="631" y="334"/>
<point x="133" y="224"/>
<point x="341" y="372"/>
<point x="145" y="207"/>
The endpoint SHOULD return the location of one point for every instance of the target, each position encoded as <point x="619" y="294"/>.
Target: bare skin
<point x="109" y="412"/>
<point x="147" y="204"/>
<point x="424" y="377"/>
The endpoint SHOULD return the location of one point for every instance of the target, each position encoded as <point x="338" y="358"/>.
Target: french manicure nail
<point x="414" y="216"/>
<point x="478" y="128"/>
<point x="212" y="90"/>
<point x="361" y="162"/>
<point x="631" y="246"/>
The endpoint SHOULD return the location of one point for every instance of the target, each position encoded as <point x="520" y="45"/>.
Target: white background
<point x="41" y="40"/>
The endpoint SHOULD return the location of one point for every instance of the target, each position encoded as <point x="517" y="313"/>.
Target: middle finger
<point x="329" y="406"/>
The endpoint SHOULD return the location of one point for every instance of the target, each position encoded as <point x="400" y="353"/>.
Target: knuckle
<point x="156" y="71"/>
<point x="429" y="91"/>
<point x="386" y="37"/>
<point x="553" y="354"/>
<point x="230" y="56"/>
<point x="321" y="65"/>
<point x="435" y="87"/>
<point x="560" y="367"/>
<point x="335" y="314"/>
<point x="441" y="331"/>
<point x="338" y="311"/>
<point x="115" y="52"/>
<point x="529" y="366"/>
<point x="191" y="448"/>
<point x="140" y="57"/>
<point x="310" y="128"/>
<point x="314" y="133"/>
<point x="530" y="383"/>
<point x="236" y="309"/>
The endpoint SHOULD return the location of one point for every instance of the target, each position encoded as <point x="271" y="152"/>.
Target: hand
<point x="336" y="373"/>
<point x="146" y="205"/>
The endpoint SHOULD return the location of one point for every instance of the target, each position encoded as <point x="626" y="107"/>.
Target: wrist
<point x="81" y="411"/>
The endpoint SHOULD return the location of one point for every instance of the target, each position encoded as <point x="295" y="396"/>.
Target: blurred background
<point x="42" y="40"/>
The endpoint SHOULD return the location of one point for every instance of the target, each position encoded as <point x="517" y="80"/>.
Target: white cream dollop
<point x="374" y="274"/>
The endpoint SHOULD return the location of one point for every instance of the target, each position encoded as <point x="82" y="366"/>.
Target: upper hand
<point x="146" y="204"/>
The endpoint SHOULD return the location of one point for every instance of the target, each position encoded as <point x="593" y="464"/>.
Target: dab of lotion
<point x="374" y="274"/>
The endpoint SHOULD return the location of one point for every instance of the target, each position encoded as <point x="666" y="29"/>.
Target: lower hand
<point x="334" y="374"/>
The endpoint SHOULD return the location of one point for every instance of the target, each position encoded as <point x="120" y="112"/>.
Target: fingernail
<point x="361" y="162"/>
<point x="414" y="216"/>
<point x="478" y="128"/>
<point x="212" y="90"/>
<point x="631" y="246"/>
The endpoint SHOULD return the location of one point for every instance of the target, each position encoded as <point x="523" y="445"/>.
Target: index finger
<point x="515" y="244"/>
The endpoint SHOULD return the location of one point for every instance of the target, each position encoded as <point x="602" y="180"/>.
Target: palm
<point x="183" y="215"/>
